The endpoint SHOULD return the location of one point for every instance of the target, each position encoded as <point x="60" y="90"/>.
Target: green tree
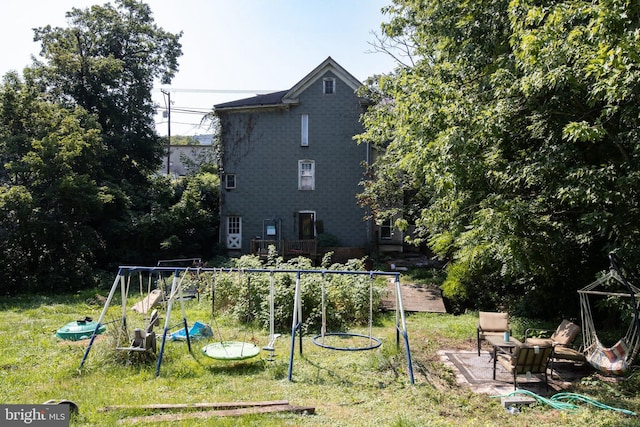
<point x="107" y="61"/>
<point x="181" y="220"/>
<point x="48" y="196"/>
<point x="79" y="150"/>
<point x="50" y="202"/>
<point x="515" y="138"/>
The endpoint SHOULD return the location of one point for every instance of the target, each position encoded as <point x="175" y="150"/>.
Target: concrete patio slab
<point x="476" y="372"/>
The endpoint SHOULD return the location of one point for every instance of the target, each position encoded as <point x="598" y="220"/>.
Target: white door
<point x="234" y="232"/>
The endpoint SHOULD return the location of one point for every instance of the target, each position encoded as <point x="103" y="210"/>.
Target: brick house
<point x="290" y="169"/>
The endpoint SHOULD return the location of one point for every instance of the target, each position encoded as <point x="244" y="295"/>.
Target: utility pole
<point x="166" y="92"/>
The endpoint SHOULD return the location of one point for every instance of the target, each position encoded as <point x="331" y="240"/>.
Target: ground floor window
<point x="386" y="229"/>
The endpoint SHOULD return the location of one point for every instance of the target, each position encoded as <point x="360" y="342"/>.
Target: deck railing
<point x="285" y="248"/>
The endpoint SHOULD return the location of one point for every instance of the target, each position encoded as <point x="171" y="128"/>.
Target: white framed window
<point x="230" y="181"/>
<point x="304" y="130"/>
<point x="233" y="225"/>
<point x="329" y="86"/>
<point x="306" y="175"/>
<point x="386" y="229"/>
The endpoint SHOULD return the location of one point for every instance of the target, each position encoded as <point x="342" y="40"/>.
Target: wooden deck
<point x="415" y="298"/>
<point x="286" y="248"/>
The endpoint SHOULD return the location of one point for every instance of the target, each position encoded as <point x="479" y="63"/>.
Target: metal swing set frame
<point x="175" y="294"/>
<point x="297" y="323"/>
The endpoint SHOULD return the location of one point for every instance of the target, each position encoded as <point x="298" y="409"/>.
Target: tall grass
<point x="347" y="388"/>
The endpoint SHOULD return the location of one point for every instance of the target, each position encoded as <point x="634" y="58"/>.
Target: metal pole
<point x="166" y="92"/>
<point x="104" y="312"/>
<point x="167" y="320"/>
<point x="184" y="313"/>
<point x="299" y="297"/>
<point x="615" y="263"/>
<point x="294" y="325"/>
<point x="405" y="334"/>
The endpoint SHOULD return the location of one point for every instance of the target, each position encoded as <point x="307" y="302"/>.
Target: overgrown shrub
<point x="245" y="295"/>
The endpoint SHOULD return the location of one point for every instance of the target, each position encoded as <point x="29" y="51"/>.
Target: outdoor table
<point x="499" y="344"/>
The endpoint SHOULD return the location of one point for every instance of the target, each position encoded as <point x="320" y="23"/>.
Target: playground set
<point x="143" y="340"/>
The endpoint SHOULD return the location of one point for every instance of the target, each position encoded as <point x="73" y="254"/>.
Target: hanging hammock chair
<point x="617" y="358"/>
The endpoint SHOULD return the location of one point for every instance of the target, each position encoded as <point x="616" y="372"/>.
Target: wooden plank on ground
<point x="219" y="413"/>
<point x="203" y="405"/>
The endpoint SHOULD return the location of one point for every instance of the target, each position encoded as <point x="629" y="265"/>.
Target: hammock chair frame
<point x="615" y="359"/>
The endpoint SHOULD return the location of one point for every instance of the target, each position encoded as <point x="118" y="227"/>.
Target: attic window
<point x="329" y="86"/>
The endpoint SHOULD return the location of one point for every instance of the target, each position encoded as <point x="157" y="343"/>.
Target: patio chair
<point x="525" y="360"/>
<point x="491" y="324"/>
<point x="562" y="340"/>
<point x="564" y="335"/>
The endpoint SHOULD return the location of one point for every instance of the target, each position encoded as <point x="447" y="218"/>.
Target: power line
<point x="173" y="122"/>
<point x="202" y="111"/>
<point x="185" y="90"/>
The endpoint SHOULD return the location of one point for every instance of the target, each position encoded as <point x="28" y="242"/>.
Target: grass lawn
<point x="369" y="388"/>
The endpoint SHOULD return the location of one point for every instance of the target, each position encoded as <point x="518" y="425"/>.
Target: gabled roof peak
<point x="291" y="96"/>
<point x="328" y="64"/>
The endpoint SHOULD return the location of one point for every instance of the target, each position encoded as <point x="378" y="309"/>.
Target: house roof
<point x="286" y="97"/>
<point x="264" y="100"/>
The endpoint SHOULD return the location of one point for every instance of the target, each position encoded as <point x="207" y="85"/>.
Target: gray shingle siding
<point x="262" y="147"/>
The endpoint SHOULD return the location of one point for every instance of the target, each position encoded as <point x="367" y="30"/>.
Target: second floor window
<point x="306" y="175"/>
<point x="304" y="126"/>
<point x="230" y="181"/>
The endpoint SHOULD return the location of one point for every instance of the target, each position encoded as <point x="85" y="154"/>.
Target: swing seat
<point x="144" y="340"/>
<point x="272" y="343"/>
<point x="231" y="350"/>
<point x="612" y="360"/>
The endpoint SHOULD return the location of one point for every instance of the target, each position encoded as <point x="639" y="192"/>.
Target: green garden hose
<point x="564" y="401"/>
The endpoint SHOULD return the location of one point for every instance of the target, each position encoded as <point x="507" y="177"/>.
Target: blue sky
<point x="228" y="45"/>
